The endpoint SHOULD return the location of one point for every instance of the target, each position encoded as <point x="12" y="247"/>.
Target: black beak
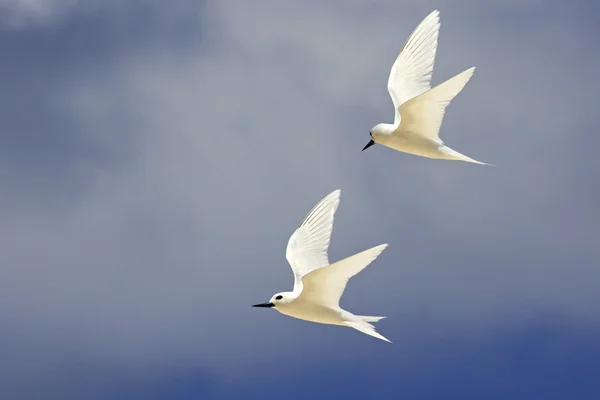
<point x="267" y="305"/>
<point x="371" y="143"/>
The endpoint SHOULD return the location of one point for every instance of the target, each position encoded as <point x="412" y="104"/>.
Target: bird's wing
<point x="424" y="113"/>
<point x="307" y="247"/>
<point x="326" y="285"/>
<point x="411" y="73"/>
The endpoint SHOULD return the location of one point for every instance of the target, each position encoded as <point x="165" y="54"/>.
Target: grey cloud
<point x="20" y="13"/>
<point x="188" y="164"/>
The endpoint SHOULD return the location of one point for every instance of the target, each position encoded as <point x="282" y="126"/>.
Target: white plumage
<point x="419" y="109"/>
<point x="318" y="285"/>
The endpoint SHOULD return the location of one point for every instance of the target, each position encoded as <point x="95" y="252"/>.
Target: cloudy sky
<point x="156" y="156"/>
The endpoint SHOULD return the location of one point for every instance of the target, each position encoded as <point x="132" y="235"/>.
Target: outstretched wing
<point x="412" y="70"/>
<point x="307" y="247"/>
<point x="424" y="113"/>
<point x="326" y="285"/>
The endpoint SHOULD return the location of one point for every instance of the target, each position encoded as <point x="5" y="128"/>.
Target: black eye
<point x="279" y="297"/>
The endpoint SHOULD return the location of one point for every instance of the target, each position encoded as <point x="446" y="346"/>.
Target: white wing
<point x="326" y="285"/>
<point x="307" y="248"/>
<point x="423" y="114"/>
<point x="411" y="72"/>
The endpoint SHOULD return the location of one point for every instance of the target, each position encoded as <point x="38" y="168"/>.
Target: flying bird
<point x="419" y="109"/>
<point x="319" y="285"/>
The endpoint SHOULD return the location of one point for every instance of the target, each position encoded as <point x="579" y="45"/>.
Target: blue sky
<point x="155" y="158"/>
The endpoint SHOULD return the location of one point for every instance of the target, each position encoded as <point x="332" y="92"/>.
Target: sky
<point x="156" y="156"/>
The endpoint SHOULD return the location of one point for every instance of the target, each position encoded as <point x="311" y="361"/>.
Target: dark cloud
<point x="155" y="160"/>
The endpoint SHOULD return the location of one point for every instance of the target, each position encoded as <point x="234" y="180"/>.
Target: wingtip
<point x="337" y="193"/>
<point x="433" y="16"/>
<point x="377" y="250"/>
<point x="469" y="71"/>
<point x="334" y="194"/>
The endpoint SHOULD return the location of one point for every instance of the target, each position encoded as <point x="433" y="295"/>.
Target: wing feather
<point x="307" y="247"/>
<point x="326" y="285"/>
<point x="411" y="73"/>
<point x="424" y="114"/>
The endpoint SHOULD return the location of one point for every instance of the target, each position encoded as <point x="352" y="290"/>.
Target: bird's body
<point x="408" y="141"/>
<point x="312" y="312"/>
<point x="318" y="285"/>
<point x="419" y="109"/>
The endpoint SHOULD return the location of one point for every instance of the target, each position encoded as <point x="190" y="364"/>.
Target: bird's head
<point x="371" y="142"/>
<point x="377" y="131"/>
<point x="278" y="299"/>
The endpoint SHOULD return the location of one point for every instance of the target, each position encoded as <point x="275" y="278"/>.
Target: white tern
<point x="318" y="285"/>
<point x="419" y="109"/>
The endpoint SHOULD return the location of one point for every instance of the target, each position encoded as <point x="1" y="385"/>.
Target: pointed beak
<point x="371" y="143"/>
<point x="266" y="305"/>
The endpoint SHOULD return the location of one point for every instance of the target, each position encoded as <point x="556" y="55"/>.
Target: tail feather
<point x="455" y="155"/>
<point x="363" y="326"/>
<point x="367" y="318"/>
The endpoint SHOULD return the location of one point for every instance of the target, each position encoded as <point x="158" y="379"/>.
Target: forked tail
<point x="362" y="324"/>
